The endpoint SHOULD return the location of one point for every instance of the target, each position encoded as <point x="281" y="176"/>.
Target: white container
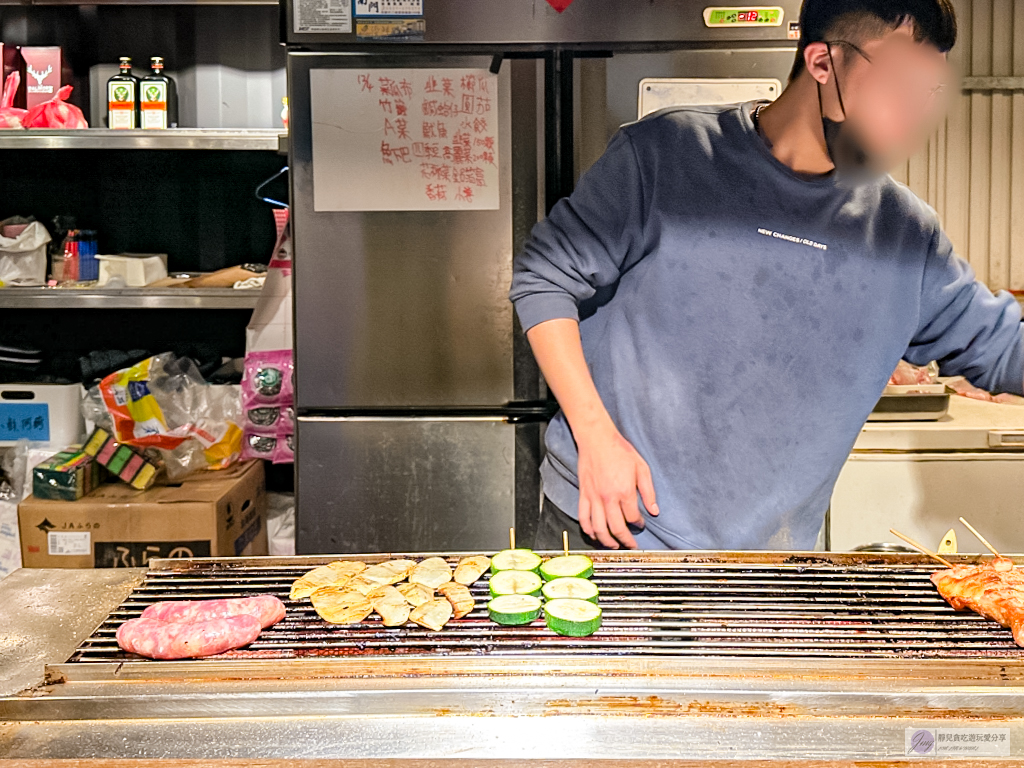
<point x="42" y="413"/>
<point x="131" y="271"/>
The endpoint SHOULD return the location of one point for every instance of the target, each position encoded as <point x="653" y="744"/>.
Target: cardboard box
<point x="210" y="514"/>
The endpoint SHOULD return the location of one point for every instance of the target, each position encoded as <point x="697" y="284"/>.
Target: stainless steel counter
<point x="47" y="612"/>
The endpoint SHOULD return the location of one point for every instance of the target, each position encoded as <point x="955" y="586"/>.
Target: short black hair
<point x="934" y="21"/>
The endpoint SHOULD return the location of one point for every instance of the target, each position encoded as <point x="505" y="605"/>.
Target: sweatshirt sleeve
<point x="967" y="329"/>
<point x="587" y="241"/>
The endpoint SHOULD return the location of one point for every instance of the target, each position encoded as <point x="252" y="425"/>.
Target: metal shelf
<point x="128" y="298"/>
<point x="265" y="139"/>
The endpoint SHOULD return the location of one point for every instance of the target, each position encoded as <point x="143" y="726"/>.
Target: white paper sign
<point x="68" y="543"/>
<point x="404" y="139"/>
<point x="328" y="16"/>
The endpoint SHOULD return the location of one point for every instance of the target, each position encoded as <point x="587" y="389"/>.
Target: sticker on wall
<point x="746" y="16"/>
<point x="388" y="7"/>
<point x="559" y="5"/>
<point x="322" y="16"/>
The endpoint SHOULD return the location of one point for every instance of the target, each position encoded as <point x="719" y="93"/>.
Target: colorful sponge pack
<point x="66" y="476"/>
<point x="126" y="462"/>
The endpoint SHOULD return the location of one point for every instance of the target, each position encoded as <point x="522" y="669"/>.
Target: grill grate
<point x="661" y="608"/>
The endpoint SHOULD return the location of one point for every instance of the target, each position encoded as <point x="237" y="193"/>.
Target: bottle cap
<point x="157" y="61"/>
<point x="126" y="60"/>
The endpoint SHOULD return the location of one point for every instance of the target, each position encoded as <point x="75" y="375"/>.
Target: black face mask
<point x="845" y="150"/>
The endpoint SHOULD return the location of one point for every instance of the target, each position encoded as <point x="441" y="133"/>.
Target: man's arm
<point x="586" y="243"/>
<point x="967" y="329"/>
<point x="610" y="469"/>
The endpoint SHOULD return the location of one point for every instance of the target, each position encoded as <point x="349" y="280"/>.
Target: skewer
<point x="921" y="548"/>
<point x="511" y="538"/>
<point x="981" y="538"/>
<point x="565" y="541"/>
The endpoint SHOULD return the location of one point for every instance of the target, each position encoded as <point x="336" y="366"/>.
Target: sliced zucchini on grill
<point x="515" y="583"/>
<point x="515" y="560"/>
<point x="512" y="610"/>
<point x="570" y="587"/>
<point x="571" y="617"/>
<point x="578" y="566"/>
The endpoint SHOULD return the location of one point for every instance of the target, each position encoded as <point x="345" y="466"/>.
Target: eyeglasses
<point x="914" y="94"/>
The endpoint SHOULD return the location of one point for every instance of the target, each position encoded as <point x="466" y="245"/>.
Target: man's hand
<point x="610" y="469"/>
<point x="610" y="473"/>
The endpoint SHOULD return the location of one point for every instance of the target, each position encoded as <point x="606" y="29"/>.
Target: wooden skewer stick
<point x="981" y="538"/>
<point x="511" y="538"/>
<point x="565" y="541"/>
<point x="921" y="548"/>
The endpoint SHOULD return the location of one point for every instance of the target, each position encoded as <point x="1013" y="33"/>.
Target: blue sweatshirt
<point x="741" y="321"/>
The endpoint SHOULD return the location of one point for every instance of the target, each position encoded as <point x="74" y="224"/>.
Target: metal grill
<point x="653" y="607"/>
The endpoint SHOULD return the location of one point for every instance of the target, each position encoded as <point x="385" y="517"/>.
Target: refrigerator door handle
<point x="1009" y="438"/>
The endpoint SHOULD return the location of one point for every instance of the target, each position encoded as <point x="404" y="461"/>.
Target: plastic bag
<point x="56" y="113"/>
<point x="164" y="404"/>
<point x="23" y="258"/>
<point x="10" y="115"/>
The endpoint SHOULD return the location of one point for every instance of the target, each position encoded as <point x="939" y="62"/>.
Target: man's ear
<point x="818" y="62"/>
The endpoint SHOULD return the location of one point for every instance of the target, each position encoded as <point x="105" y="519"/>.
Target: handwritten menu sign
<point x="404" y="139"/>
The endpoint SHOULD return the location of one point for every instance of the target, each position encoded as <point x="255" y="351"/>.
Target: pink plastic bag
<point x="11" y="116"/>
<point x="56" y="113"/>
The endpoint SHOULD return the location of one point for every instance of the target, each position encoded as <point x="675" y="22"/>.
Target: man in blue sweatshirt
<point x="721" y="301"/>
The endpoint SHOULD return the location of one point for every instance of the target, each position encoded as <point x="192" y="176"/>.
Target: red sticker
<point x="559" y="5"/>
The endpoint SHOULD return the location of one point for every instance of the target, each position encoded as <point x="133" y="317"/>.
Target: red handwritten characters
<point x="390" y="154"/>
<point x="457" y="106"/>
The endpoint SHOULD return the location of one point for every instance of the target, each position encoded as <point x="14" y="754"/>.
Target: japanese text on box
<point x="405" y="139"/>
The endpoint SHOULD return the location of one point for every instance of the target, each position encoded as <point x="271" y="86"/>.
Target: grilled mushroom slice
<point x="336" y="573"/>
<point x="459" y="596"/>
<point x="389" y="603"/>
<point x="399" y="567"/>
<point x="431" y="573"/>
<point x="391" y="572"/>
<point x="432" y="615"/>
<point x="471" y="568"/>
<point x="416" y="594"/>
<point x="339" y="605"/>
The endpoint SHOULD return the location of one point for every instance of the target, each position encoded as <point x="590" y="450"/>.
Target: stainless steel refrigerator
<point x="419" y="406"/>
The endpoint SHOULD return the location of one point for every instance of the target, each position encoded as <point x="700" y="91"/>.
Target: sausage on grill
<point x="267" y="608"/>
<point x="166" y="640"/>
